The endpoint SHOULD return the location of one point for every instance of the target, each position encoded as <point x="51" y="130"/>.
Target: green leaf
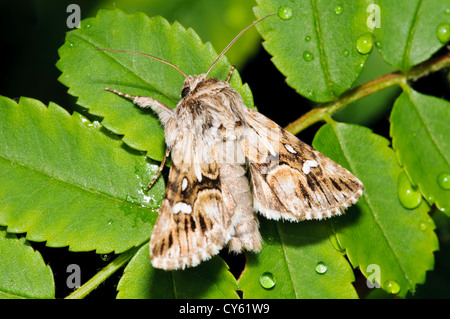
<point x="316" y="47"/>
<point x="408" y="30"/>
<point x="210" y="280"/>
<point x="215" y="21"/>
<point x="420" y="133"/>
<point x="87" y="71"/>
<point x="23" y="272"/>
<point x="381" y="232"/>
<point x="301" y="262"/>
<point x="66" y="182"/>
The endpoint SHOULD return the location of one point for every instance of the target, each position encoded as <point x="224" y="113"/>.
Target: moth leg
<point x="161" y="166"/>
<point x="160" y="108"/>
<point x="229" y="73"/>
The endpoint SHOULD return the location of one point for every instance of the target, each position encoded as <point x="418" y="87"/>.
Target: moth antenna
<point x="234" y="40"/>
<point x="150" y="56"/>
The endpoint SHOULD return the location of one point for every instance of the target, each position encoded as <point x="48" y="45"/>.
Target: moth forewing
<point x="303" y="184"/>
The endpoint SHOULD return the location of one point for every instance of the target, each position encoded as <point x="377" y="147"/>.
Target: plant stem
<point x="321" y="112"/>
<point x="103" y="274"/>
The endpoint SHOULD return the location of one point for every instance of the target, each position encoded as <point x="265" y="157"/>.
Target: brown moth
<point x="210" y="203"/>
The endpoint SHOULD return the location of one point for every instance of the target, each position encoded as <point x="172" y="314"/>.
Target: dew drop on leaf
<point x="105" y="257"/>
<point x="408" y="195"/>
<point x="321" y="268"/>
<point x="444" y="181"/>
<point x="285" y="12"/>
<point x="307" y="38"/>
<point x="423" y="227"/>
<point x="392" y="287"/>
<point x="443" y="32"/>
<point x="338" y="10"/>
<point x="345" y="52"/>
<point x="267" y="280"/>
<point x="270" y="240"/>
<point x="308" y="56"/>
<point x="364" y="44"/>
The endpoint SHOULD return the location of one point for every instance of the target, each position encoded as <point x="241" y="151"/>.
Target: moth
<point x="229" y="162"/>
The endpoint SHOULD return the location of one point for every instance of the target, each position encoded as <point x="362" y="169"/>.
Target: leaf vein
<point x="435" y="143"/>
<point x="127" y="68"/>
<point x="287" y="261"/>
<point x="323" y="60"/>
<point x="411" y="32"/>
<point x="384" y="233"/>
<point x="75" y="185"/>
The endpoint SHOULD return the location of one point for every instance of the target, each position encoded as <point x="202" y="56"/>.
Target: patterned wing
<point x="191" y="226"/>
<point x="291" y="180"/>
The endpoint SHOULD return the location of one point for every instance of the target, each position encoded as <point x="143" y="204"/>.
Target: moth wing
<point x="191" y="226"/>
<point x="290" y="179"/>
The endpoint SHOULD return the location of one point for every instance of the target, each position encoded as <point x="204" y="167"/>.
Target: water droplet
<point x="307" y="38"/>
<point x="443" y="32"/>
<point x="408" y="195"/>
<point x="423" y="226"/>
<point x="392" y="287"/>
<point x="308" y="56"/>
<point x="364" y="44"/>
<point x="321" y="268"/>
<point x="338" y="10"/>
<point x="106" y="257"/>
<point x="444" y="181"/>
<point x="285" y="12"/>
<point x="345" y="53"/>
<point x="447" y="11"/>
<point x="267" y="280"/>
<point x="270" y="240"/>
<point x="378" y="44"/>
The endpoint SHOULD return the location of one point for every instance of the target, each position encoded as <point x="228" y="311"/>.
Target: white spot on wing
<point x="182" y="207"/>
<point x="290" y="149"/>
<point x="184" y="184"/>
<point x="307" y="166"/>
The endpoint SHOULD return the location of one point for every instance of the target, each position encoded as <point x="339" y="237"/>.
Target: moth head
<point x="191" y="83"/>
